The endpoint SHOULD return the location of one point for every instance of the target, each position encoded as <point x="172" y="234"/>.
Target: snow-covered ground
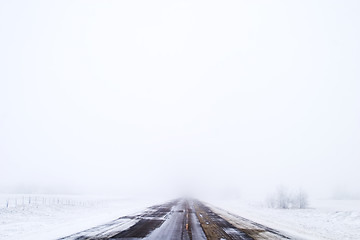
<point x="53" y="216"/>
<point x="324" y="219"/>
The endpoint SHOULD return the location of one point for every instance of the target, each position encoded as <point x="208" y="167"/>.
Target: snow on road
<point x="323" y="220"/>
<point x="173" y="227"/>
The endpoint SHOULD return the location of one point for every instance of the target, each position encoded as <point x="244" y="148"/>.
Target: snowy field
<point x="324" y="219"/>
<point x="54" y="216"/>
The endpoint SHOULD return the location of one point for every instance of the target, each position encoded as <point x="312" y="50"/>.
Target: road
<point x="179" y="219"/>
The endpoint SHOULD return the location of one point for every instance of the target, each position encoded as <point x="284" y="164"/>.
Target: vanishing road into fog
<point x="179" y="219"/>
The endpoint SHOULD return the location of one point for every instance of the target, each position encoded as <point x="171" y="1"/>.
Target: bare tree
<point x="302" y="199"/>
<point x="271" y="201"/>
<point x="283" y="198"/>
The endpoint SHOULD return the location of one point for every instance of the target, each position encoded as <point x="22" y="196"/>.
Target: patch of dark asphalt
<point x="149" y="221"/>
<point x="140" y="230"/>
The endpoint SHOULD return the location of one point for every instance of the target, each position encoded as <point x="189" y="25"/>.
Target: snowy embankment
<point x="53" y="216"/>
<point x="324" y="219"/>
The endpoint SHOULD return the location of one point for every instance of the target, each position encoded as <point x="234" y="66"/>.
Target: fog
<point x="224" y="98"/>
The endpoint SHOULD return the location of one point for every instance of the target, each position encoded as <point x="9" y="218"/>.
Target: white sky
<point x="147" y="96"/>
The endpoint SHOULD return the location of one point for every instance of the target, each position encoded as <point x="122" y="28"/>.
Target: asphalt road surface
<point x="180" y="219"/>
